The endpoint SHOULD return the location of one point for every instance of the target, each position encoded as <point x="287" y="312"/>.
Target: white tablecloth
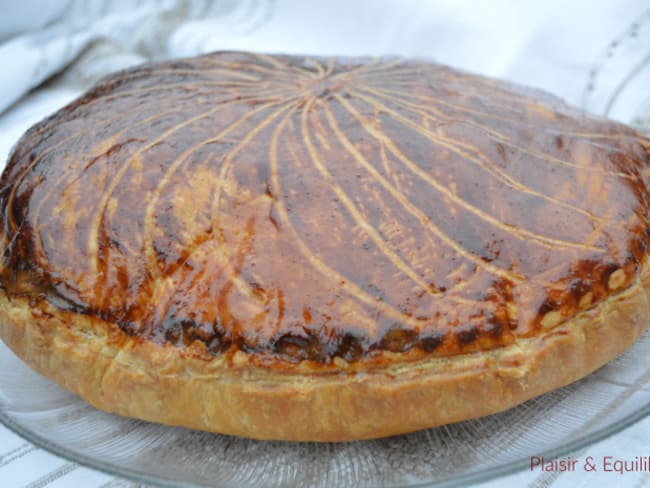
<point x="595" y="54"/>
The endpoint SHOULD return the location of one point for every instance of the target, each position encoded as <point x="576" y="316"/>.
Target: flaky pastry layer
<point x="162" y="383"/>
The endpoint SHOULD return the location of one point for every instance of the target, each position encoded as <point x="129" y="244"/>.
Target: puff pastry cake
<point x="320" y="249"/>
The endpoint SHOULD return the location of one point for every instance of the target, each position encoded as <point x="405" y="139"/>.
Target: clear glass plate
<point x="554" y="424"/>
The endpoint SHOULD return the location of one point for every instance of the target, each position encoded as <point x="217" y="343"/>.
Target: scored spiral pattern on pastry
<point x="316" y="208"/>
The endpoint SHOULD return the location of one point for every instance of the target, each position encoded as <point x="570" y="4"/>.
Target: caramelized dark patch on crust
<point x="308" y="208"/>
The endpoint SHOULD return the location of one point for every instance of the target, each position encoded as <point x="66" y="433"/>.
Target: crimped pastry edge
<point x="161" y="383"/>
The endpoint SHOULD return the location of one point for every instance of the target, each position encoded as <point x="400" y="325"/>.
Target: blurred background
<point x="593" y="53"/>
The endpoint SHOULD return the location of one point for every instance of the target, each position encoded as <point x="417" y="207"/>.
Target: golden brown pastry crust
<point x="318" y="249"/>
<point x="162" y="383"/>
<point x="303" y="208"/>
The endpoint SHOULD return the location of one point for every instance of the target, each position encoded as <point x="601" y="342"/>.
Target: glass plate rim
<point x="453" y="481"/>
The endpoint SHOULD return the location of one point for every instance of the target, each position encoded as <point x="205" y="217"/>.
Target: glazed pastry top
<point x="314" y="208"/>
